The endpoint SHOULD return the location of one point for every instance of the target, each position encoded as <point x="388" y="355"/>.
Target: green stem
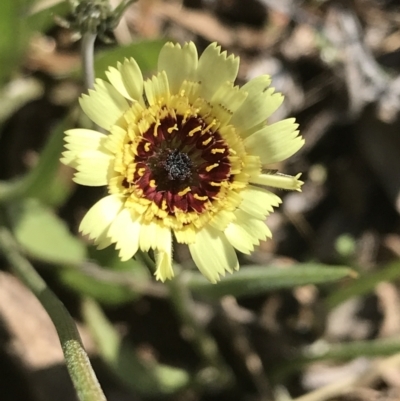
<point x="145" y="259"/>
<point x="87" y="55"/>
<point x="77" y="361"/>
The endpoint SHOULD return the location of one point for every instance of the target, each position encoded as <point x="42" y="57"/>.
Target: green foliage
<point x="40" y="181"/>
<point x="253" y="280"/>
<point x="110" y="281"/>
<point x="14" y="35"/>
<point x="43" y="235"/>
<point x="365" y="284"/>
<point x="43" y="19"/>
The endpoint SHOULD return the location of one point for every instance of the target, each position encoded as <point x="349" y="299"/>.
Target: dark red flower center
<point x="181" y="164"/>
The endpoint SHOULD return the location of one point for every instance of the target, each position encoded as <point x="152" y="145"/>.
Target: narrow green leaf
<point x="355" y="349"/>
<point x="108" y="293"/>
<point x="43" y="235"/>
<point x="337" y="352"/>
<point x="110" y="281"/>
<point x="365" y="284"/>
<point x="252" y="280"/>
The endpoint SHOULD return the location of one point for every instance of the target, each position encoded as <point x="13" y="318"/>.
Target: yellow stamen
<point x="155" y="133"/>
<point x="212" y="123"/>
<point x="215" y="184"/>
<point x="217" y="150"/>
<point x="164" y="205"/>
<point x="200" y="198"/>
<point x="207" y="141"/>
<point x="184" y="192"/>
<point x="152" y="183"/>
<point x="141" y="171"/>
<point x="172" y="129"/>
<point x="194" y="130"/>
<point x="147" y="146"/>
<point x="209" y="168"/>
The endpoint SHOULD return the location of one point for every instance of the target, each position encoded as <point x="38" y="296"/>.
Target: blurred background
<point x="314" y="313"/>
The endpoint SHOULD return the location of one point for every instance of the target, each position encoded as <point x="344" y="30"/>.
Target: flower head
<point x="184" y="156"/>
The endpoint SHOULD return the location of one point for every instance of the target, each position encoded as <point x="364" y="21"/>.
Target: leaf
<point x="111" y="282"/>
<point x="354" y="349"/>
<point x="14" y="35"/>
<point x="252" y="280"/>
<point x="42" y="18"/>
<point x="39" y="182"/>
<point x="104" y="292"/>
<point x="365" y="284"/>
<point x="43" y="235"/>
<point x="322" y="350"/>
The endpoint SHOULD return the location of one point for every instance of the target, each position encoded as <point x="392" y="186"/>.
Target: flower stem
<point x="87" y="54"/>
<point x="77" y="361"/>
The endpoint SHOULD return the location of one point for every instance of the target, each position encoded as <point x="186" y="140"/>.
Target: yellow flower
<point x="184" y="156"/>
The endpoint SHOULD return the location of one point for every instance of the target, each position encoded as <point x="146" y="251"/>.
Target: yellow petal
<point x="157" y="88"/>
<point x="116" y="139"/>
<point x="127" y="79"/>
<point x="124" y="231"/>
<point x="148" y="235"/>
<point x="213" y="254"/>
<point x="164" y="270"/>
<point x="239" y="238"/>
<point x="214" y="69"/>
<point x="179" y="63"/>
<point x="222" y="219"/>
<point x="104" y="105"/>
<point x="252" y="229"/>
<point x="258" y="202"/>
<point x="275" y="142"/>
<point x="94" y="168"/>
<point x="163" y="238"/>
<point x="278" y="181"/>
<point x="186" y="234"/>
<point x="103" y="241"/>
<point x="163" y="254"/>
<point x="260" y="103"/>
<point x="79" y="140"/>
<point x="99" y="217"/>
<point x="226" y="100"/>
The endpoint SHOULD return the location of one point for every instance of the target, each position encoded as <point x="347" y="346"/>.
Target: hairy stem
<point x="77" y="361"/>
